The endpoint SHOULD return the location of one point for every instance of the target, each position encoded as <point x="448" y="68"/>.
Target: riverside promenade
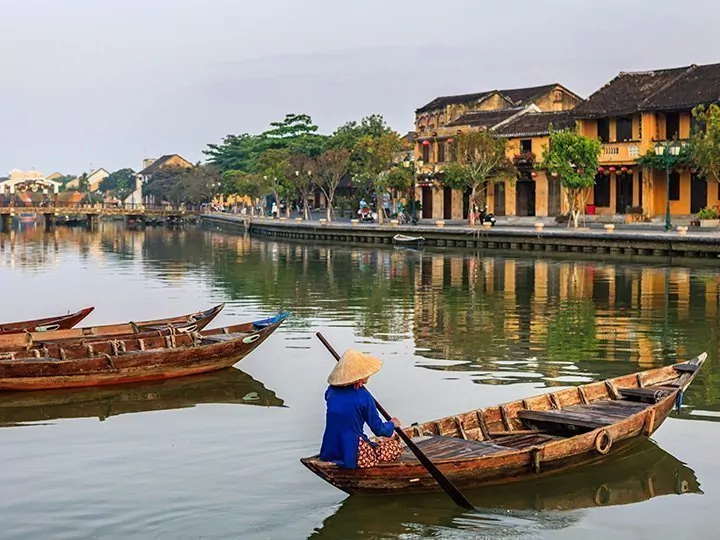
<point x="599" y="238"/>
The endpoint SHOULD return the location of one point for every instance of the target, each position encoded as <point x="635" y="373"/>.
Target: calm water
<point x="217" y="456"/>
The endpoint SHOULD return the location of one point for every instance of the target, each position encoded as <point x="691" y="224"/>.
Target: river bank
<point x="695" y="243"/>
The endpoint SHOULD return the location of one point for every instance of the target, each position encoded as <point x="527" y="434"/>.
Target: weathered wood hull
<point x="135" y="360"/>
<point x="494" y="445"/>
<point x="59" y="322"/>
<point x="191" y="322"/>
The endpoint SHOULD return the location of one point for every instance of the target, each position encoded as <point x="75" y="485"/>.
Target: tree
<point x="705" y="143"/>
<point x="275" y="168"/>
<point x="375" y="156"/>
<point x="301" y="178"/>
<point x="196" y="186"/>
<point x="331" y="167"/>
<point x="244" y="184"/>
<point x="120" y="183"/>
<point x="162" y="185"/>
<point x="574" y="158"/>
<point x="347" y="135"/>
<point x="236" y="152"/>
<point x="479" y="160"/>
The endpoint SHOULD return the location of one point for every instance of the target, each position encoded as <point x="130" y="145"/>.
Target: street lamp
<point x="409" y="163"/>
<point x="669" y="150"/>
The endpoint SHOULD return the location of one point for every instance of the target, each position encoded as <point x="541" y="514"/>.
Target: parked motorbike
<point x="366" y="215"/>
<point x="486" y="217"/>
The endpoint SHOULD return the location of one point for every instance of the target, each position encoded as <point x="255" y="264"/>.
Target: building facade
<point x="514" y="114"/>
<point x="631" y="115"/>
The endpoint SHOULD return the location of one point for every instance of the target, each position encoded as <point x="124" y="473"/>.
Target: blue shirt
<point x="348" y="410"/>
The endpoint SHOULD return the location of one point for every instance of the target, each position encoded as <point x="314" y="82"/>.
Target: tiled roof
<point x="516" y="96"/>
<point x="485" y="119"/>
<point x="534" y="124"/>
<point x="665" y="89"/>
<point x="159" y="162"/>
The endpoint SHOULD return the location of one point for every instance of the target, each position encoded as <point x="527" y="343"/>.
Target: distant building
<point x="94" y="179"/>
<point x="150" y="167"/>
<point x="32" y="181"/>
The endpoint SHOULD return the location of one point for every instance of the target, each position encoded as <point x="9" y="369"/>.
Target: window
<point x="557" y="96"/>
<point x="623" y="129"/>
<point x="672" y="126"/>
<point x="526" y="145"/>
<point x="426" y="153"/>
<point x="603" y="130"/>
<point x="441" y="151"/>
<point x="441" y="120"/>
<point x="602" y="190"/>
<point x="674" y="186"/>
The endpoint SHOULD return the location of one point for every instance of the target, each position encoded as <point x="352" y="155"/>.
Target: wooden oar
<point x="439" y="477"/>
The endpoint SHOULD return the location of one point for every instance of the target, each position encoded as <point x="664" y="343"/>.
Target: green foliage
<point x="195" y="185"/>
<point x="347" y="135"/>
<point x="399" y="178"/>
<point x="574" y="158"/>
<point x="479" y="159"/>
<point x="652" y="161"/>
<point x="374" y="161"/>
<point x="708" y="213"/>
<point x="120" y="183"/>
<point x="705" y="145"/>
<point x="331" y="167"/>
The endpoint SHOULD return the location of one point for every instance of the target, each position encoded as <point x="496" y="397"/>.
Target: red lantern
<point x="612" y="169"/>
<point x="426" y="143"/>
<point x="623" y="169"/>
<point x="533" y="174"/>
<point x="601" y="169"/>
<point x="449" y="140"/>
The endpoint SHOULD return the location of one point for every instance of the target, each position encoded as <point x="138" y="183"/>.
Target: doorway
<point x="466" y="203"/>
<point x="525" y="197"/>
<point x="427" y="199"/>
<point x="447" y="203"/>
<point x="698" y="193"/>
<point x="554" y="204"/>
<point x="499" y="209"/>
<point x="623" y="192"/>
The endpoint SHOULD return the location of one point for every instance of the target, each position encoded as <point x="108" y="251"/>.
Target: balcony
<point x="620" y="152"/>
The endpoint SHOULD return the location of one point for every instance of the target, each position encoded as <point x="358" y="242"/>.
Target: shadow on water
<point x="639" y="474"/>
<point x="230" y="386"/>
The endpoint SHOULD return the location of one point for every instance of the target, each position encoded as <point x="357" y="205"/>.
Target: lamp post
<point x="409" y="162"/>
<point x="669" y="151"/>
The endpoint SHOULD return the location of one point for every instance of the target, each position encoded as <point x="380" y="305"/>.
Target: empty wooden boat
<point x="408" y="241"/>
<point x="118" y="361"/>
<point x="190" y="322"/>
<point x="59" y="322"/>
<point x="527" y="438"/>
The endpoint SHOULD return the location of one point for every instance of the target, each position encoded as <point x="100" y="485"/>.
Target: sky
<point x="105" y="83"/>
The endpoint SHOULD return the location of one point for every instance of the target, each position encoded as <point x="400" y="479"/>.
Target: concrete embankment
<point x="619" y="242"/>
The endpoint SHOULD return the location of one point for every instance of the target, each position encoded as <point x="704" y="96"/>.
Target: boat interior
<point x="533" y="422"/>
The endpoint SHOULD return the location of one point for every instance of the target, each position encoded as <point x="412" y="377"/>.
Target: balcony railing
<point x="620" y="152"/>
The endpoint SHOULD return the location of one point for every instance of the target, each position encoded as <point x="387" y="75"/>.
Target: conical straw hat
<point x="352" y="367"/>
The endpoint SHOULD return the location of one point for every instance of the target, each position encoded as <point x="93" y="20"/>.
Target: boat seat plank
<point x="440" y="447"/>
<point x="565" y="418"/>
<point x="686" y="368"/>
<point x="526" y="441"/>
<point x="649" y="393"/>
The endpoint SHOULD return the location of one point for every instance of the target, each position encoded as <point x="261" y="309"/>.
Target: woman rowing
<point x="349" y="407"/>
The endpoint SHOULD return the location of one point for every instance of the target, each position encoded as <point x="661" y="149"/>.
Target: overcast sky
<point x="104" y="83"/>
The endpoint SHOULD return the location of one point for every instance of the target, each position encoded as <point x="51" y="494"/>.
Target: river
<point x="217" y="456"/>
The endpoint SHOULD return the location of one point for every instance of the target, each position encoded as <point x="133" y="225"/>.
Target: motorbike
<point x="486" y="217"/>
<point x="366" y="215"/>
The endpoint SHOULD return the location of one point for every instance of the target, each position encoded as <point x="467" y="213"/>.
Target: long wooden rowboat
<point x="59" y="322"/>
<point x="118" y="361"/>
<point x="527" y="438"/>
<point x="183" y="323"/>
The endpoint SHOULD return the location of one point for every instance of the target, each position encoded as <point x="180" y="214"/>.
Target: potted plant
<point x="709" y="217"/>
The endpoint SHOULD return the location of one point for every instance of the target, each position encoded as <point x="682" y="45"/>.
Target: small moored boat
<point x="117" y="361"/>
<point x="527" y="438"/>
<point x="408" y="241"/>
<point x="183" y="323"/>
<point x="58" y="322"/>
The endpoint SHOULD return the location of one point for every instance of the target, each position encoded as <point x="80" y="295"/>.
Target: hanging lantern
<point x="459" y="131"/>
<point x="601" y="169"/>
<point x="434" y="133"/>
<point x="449" y="140"/>
<point x="554" y="174"/>
<point x="612" y="169"/>
<point x="623" y="169"/>
<point x="426" y="143"/>
<point x="533" y="174"/>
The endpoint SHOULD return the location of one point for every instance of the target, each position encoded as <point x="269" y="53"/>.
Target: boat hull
<point x="506" y="462"/>
<point x="59" y="322"/>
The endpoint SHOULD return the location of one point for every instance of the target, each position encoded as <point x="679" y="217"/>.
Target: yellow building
<point x="632" y="114"/>
<point x="502" y="111"/>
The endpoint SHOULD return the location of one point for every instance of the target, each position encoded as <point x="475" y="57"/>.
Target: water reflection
<point x="230" y="386"/>
<point x="637" y="475"/>
<point x="500" y="320"/>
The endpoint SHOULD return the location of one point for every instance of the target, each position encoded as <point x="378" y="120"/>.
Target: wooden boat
<point x="191" y="322"/>
<point x="408" y="241"/>
<point x="119" y="361"/>
<point x="229" y="386"/>
<point x="59" y="322"/>
<point x="640" y="474"/>
<point x="527" y="438"/>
